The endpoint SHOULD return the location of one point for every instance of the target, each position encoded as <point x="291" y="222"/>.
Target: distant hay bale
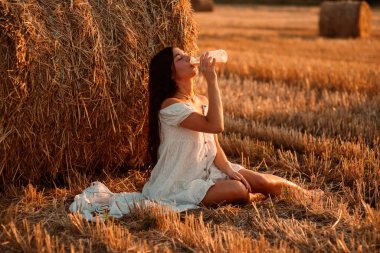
<point x="345" y="19"/>
<point x="202" y="5"/>
<point x="73" y="75"/>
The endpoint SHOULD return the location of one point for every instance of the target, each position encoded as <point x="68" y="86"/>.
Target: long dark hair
<point x="161" y="87"/>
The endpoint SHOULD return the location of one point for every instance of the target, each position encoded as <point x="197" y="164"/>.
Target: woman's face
<point x="183" y="70"/>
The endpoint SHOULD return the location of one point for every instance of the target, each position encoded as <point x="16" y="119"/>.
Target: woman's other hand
<point x="207" y="67"/>
<point x="237" y="176"/>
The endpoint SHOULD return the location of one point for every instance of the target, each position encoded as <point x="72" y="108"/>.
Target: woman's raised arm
<point x="213" y="122"/>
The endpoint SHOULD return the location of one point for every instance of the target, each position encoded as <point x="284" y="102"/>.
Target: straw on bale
<point x="73" y="76"/>
<point x="202" y="5"/>
<point x="345" y="19"/>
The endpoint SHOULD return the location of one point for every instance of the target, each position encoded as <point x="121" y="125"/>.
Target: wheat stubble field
<point x="296" y="105"/>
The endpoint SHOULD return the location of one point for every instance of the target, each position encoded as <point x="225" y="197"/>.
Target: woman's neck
<point x="185" y="88"/>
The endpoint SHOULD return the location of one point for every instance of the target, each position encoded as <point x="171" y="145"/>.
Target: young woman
<point x="190" y="167"/>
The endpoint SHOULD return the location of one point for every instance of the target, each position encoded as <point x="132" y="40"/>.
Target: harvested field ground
<point x="296" y="105"/>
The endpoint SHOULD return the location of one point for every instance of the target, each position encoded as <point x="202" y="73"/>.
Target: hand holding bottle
<point x="207" y="67"/>
<point x="215" y="111"/>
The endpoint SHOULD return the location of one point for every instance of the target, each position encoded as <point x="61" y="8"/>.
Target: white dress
<point x="185" y="170"/>
<point x="181" y="178"/>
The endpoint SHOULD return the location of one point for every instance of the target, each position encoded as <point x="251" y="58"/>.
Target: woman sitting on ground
<point x="190" y="166"/>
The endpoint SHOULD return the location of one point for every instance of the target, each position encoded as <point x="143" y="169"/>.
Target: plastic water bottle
<point x="220" y="57"/>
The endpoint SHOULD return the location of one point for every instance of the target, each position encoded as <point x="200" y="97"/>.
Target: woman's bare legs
<point x="268" y="184"/>
<point x="233" y="191"/>
<point x="226" y="191"/>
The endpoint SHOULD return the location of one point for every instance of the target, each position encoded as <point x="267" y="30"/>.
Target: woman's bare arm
<point x="222" y="163"/>
<point x="207" y="124"/>
<point x="221" y="160"/>
<point x="213" y="122"/>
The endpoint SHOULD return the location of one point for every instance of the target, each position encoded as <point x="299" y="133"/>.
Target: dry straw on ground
<point x="345" y="19"/>
<point x="73" y="81"/>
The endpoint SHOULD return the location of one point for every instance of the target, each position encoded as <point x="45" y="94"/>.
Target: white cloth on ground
<point x="98" y="201"/>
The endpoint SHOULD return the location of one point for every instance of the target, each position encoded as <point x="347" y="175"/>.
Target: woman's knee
<point x="240" y="192"/>
<point x="265" y="184"/>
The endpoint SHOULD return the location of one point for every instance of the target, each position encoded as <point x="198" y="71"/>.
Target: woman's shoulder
<point x="170" y="101"/>
<point x="203" y="100"/>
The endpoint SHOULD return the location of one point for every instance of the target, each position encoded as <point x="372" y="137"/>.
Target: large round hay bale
<point x="345" y="19"/>
<point x="202" y="5"/>
<point x="73" y="75"/>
